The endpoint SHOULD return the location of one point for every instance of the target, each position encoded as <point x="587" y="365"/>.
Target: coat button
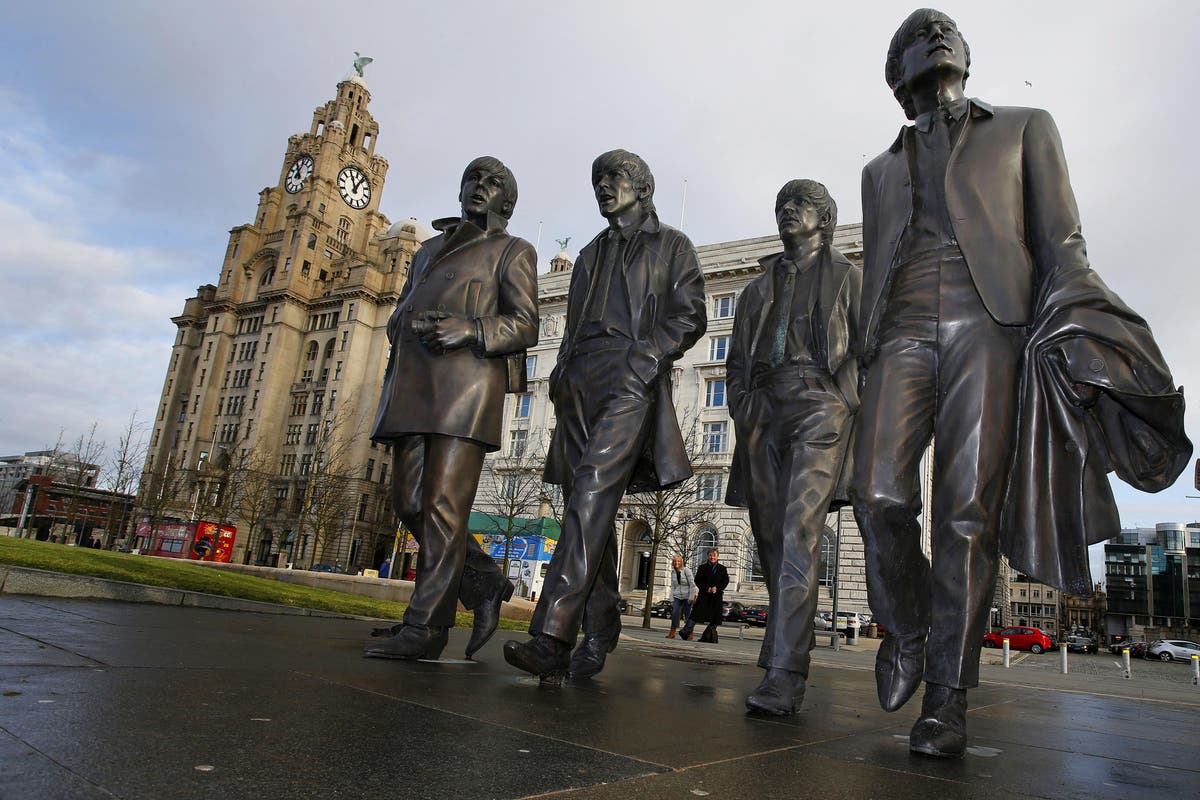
<point x="410" y="308"/>
<point x="1096" y="365"/>
<point x="449" y="276"/>
<point x="441" y="306"/>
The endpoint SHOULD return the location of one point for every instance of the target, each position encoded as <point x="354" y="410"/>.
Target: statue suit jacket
<point x="486" y="276"/>
<point x="840" y="285"/>
<point x="666" y="296"/>
<point x="1010" y="202"/>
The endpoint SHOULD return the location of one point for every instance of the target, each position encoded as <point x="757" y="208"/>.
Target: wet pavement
<point x="101" y="699"/>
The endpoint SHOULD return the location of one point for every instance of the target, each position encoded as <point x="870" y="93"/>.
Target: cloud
<point x="87" y="333"/>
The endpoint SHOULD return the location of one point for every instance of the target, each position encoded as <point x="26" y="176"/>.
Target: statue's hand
<point x="440" y="331"/>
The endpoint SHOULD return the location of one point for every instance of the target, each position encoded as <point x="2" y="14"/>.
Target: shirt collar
<point x="978" y="109"/>
<point x="451" y="225"/>
<point x="649" y="225"/>
<point x="956" y="109"/>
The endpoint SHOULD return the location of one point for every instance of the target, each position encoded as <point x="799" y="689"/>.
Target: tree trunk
<point x="650" y="580"/>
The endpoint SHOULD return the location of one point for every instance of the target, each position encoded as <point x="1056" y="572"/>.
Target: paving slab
<point x="102" y="699"/>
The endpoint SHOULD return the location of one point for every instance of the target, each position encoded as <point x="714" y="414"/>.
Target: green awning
<point x="521" y="526"/>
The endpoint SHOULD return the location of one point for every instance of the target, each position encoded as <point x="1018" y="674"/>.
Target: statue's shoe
<point x="588" y="658"/>
<point x="543" y="656"/>
<point x="780" y="693"/>
<point x="411" y="642"/>
<point x="487" y="616"/>
<point x="899" y="668"/>
<point x="942" y="729"/>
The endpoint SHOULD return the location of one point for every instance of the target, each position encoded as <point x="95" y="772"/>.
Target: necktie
<point x="784" y="305"/>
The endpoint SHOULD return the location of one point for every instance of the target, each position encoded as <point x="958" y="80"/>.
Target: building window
<point x="312" y="241"/>
<point x="756" y="570"/>
<point x="530" y="366"/>
<point x="716" y="437"/>
<point x="524" y="403"/>
<point x="370" y="468"/>
<point x="516" y="443"/>
<point x="826" y="573"/>
<point x="268" y="277"/>
<point x="722" y="306"/>
<point x="280" y="499"/>
<point x="718" y="348"/>
<point x="708" y="487"/>
<point x="706" y="539"/>
<point x="306" y="463"/>
<point x="715" y="393"/>
<point x="337" y="371"/>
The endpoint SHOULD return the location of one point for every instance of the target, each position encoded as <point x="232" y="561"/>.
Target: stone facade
<point x="278" y="364"/>
<point x="698" y="380"/>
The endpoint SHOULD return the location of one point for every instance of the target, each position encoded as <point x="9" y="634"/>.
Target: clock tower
<point x="276" y="367"/>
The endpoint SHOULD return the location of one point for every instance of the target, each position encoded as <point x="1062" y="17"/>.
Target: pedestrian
<point x="711" y="580"/>
<point x="385" y="568"/>
<point x="683" y="592"/>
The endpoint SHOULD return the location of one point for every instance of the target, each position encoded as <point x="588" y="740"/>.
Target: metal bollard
<point x="1062" y="659"/>
<point x="1006" y="653"/>
<point x="1195" y="670"/>
<point x="1125" y="662"/>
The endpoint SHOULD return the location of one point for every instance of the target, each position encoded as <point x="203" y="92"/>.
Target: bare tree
<point x="671" y="516"/>
<point x="255" y="496"/>
<point x="160" y="490"/>
<point x="80" y="473"/>
<point x="122" y="475"/>
<point x="327" y="494"/>
<point x="511" y="491"/>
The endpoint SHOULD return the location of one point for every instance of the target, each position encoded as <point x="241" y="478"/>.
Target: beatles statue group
<point x="975" y="321"/>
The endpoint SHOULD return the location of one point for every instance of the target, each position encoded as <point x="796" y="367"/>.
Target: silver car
<point x="1173" y="650"/>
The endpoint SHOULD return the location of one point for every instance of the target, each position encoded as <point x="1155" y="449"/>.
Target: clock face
<point x="354" y="187"/>
<point x="298" y="174"/>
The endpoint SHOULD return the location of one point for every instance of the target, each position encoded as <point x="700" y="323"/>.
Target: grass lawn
<point x="179" y="574"/>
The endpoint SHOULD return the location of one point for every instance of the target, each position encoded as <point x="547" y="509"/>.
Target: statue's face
<point x="936" y="46"/>
<point x="616" y="194"/>
<point x="797" y="218"/>
<point x="482" y="191"/>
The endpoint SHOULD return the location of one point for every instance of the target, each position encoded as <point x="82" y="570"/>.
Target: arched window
<point x="706" y="539"/>
<point x="267" y="277"/>
<point x="312" y="241"/>
<point x="827" y="573"/>
<point x="311" y="353"/>
<point x="755" y="570"/>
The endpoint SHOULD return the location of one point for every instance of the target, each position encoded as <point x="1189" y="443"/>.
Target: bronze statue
<point x="636" y="304"/>
<point x="459" y="332"/>
<point x="971" y="240"/>
<point x="792" y="380"/>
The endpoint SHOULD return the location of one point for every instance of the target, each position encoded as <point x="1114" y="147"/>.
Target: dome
<point x="409" y="229"/>
<point x="353" y="77"/>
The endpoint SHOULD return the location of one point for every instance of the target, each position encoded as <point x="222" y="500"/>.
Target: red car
<point x="1031" y="639"/>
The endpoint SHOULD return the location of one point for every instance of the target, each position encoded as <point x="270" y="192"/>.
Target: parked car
<point x="731" y="610"/>
<point x="1173" y="650"/>
<point x="334" y="568"/>
<point x="1081" y="644"/>
<point x="754" y="615"/>
<point x="661" y="609"/>
<point x="1031" y="639"/>
<point x="1138" y="649"/>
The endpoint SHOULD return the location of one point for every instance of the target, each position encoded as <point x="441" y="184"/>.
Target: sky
<point x="134" y="135"/>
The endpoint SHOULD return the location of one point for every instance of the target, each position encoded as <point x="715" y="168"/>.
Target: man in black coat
<point x="709" y="608"/>
<point x="635" y="305"/>
<point x="459" y="332"/>
<point x="792" y="379"/>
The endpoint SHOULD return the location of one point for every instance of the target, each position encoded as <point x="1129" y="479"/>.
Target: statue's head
<point x="488" y="185"/>
<point x="621" y="180"/>
<point x="927" y="40"/>
<point x="803" y="192"/>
